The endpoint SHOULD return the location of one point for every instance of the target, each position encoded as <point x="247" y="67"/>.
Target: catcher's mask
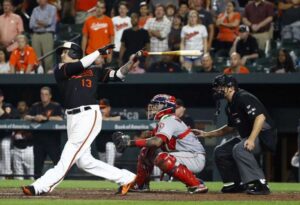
<point x="75" y="51"/>
<point x="160" y="105"/>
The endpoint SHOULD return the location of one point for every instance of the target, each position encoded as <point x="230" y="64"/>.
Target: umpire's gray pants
<point x="247" y="164"/>
<point x="235" y="163"/>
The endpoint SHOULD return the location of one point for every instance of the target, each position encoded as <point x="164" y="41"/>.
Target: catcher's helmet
<point x="161" y="105"/>
<point x="75" y="51"/>
<point x="221" y="81"/>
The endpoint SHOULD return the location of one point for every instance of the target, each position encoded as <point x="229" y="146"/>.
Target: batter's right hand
<point x="199" y="133"/>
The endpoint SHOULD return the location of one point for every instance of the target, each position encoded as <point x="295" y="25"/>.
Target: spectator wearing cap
<point x="144" y="14"/>
<point x="180" y="112"/>
<point x="246" y="45"/>
<point x="4" y="65"/>
<point x="207" y="65"/>
<point x="158" y="29"/>
<point x="104" y="145"/>
<point x="235" y="65"/>
<point x="133" y="40"/>
<point x="228" y="23"/>
<point x="258" y="16"/>
<point x="43" y="24"/>
<point x="23" y="59"/>
<point x="11" y="26"/>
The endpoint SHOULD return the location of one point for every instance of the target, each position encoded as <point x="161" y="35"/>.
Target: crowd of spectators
<point x="253" y="29"/>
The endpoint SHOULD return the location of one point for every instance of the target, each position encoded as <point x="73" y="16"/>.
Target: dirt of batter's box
<point x="13" y="193"/>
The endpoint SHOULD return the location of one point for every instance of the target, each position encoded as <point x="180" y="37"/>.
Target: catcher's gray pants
<point x="5" y="156"/>
<point x="236" y="164"/>
<point x="195" y="162"/>
<point x="23" y="162"/>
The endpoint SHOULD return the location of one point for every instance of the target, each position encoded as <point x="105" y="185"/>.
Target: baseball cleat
<point x="234" y="188"/>
<point x="258" y="189"/>
<point x="125" y="188"/>
<point x="201" y="188"/>
<point x="28" y="190"/>
<point x="137" y="188"/>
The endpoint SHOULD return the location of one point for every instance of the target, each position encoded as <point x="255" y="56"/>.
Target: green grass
<point x="118" y="202"/>
<point x="96" y="184"/>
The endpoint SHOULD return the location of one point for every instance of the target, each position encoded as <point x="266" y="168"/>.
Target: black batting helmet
<point x="75" y="50"/>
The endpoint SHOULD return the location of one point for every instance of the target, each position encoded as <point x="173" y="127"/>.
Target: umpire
<point x="235" y="158"/>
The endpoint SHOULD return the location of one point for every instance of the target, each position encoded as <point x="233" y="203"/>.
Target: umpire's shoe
<point x="234" y="188"/>
<point x="28" y="190"/>
<point x="125" y="188"/>
<point x="258" y="189"/>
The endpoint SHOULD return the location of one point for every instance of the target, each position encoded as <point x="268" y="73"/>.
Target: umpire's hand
<point x="199" y="133"/>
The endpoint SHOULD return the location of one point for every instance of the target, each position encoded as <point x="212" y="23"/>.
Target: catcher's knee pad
<point x="165" y="161"/>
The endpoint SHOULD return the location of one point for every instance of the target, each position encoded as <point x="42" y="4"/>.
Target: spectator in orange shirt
<point x="97" y="31"/>
<point x="81" y="9"/>
<point x="144" y="14"/>
<point x="23" y="59"/>
<point x="236" y="65"/>
<point x="228" y="23"/>
<point x="11" y="26"/>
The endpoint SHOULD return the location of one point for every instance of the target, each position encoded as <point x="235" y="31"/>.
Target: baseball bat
<point x="176" y="53"/>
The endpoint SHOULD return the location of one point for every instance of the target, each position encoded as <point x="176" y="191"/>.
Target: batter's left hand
<point x="249" y="145"/>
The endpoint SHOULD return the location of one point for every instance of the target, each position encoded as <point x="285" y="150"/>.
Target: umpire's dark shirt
<point x="242" y="111"/>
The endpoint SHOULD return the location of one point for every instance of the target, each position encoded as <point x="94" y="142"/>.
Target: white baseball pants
<point x="82" y="129"/>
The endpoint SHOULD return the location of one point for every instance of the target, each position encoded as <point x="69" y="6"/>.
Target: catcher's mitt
<point x="120" y="140"/>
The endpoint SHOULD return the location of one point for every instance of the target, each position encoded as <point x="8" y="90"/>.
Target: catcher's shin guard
<point x="145" y="166"/>
<point x="167" y="163"/>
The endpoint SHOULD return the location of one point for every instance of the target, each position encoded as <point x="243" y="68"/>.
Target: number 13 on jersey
<point x="87" y="83"/>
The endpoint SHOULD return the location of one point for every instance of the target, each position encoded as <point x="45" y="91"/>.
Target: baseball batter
<point x="182" y="155"/>
<point x="77" y="80"/>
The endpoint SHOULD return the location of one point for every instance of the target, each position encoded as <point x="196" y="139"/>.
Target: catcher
<point x="181" y="154"/>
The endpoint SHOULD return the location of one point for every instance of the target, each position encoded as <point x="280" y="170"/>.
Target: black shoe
<point x="28" y="190"/>
<point x="258" y="189"/>
<point x="143" y="188"/>
<point x="200" y="189"/>
<point x="234" y="188"/>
